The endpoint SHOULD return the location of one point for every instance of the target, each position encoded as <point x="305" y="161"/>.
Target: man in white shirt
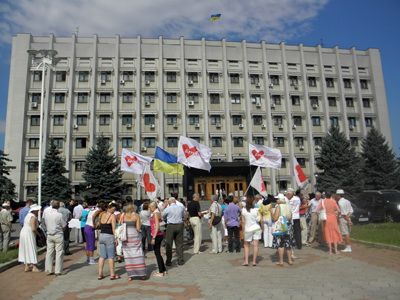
<point x="55" y="225"/>
<point x="76" y="214"/>
<point x="314" y="216"/>
<point x="346" y="210"/>
<point x="295" y="203"/>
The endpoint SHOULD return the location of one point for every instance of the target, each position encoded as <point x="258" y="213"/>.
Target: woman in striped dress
<point x="132" y="247"/>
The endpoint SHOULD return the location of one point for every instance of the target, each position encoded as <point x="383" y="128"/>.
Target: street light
<point x="47" y="60"/>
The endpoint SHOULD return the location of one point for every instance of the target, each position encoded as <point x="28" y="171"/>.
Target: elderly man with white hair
<point x="346" y="210"/>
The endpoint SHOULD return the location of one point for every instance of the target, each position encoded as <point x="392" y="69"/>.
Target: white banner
<point x="265" y="157"/>
<point x="149" y="183"/>
<point x="133" y="162"/>
<point x="257" y="182"/>
<point x="193" y="154"/>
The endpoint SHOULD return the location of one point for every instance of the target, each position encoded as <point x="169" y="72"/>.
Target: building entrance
<point x="208" y="186"/>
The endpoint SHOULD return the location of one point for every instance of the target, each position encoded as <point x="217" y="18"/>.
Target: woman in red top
<point x="331" y="230"/>
<point x="156" y="238"/>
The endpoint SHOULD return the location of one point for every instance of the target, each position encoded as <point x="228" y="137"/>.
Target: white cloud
<point x="271" y="20"/>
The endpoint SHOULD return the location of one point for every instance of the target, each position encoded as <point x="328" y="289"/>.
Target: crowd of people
<point x="124" y="232"/>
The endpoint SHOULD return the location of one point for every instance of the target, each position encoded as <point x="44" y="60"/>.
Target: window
<point x="171" y="97"/>
<point x="299" y="141"/>
<point x="352" y="122"/>
<point x="83" y="76"/>
<point x="215" y="119"/>
<point x="312" y="82"/>
<point x="149" y="97"/>
<point x="194" y="119"/>
<point x="80" y="166"/>
<point x="316" y="121"/>
<point x="234" y="78"/>
<point x="81" y="120"/>
<point x="255" y="99"/>
<point x="280" y="141"/>
<point x="58" y="142"/>
<point x="257" y="120"/>
<point x="254" y="79"/>
<point x="276" y="99"/>
<point x="196" y="138"/>
<point x="150" y="142"/>
<point x="127" y="76"/>
<point x="235" y="98"/>
<point x="354" y="141"/>
<point x="283" y="162"/>
<point x="33" y="143"/>
<point x="104" y="120"/>
<point x="105" y="97"/>
<point x="58" y="120"/>
<point x="259" y="140"/>
<point x="193" y="76"/>
<point x="31" y="190"/>
<point x="366" y="102"/>
<point x="36" y="97"/>
<point x="295" y="100"/>
<point x="314" y="101"/>
<point x="347" y="83"/>
<point x="302" y="162"/>
<point x="216" y="142"/>
<point x="35" y="120"/>
<point x="33" y="166"/>
<point x="149" y="59"/>
<point x="149" y="76"/>
<point x="171" y="76"/>
<point x="332" y="101"/>
<point x="171" y="59"/>
<point x="297" y="120"/>
<point x="364" y="84"/>
<point x="318" y="141"/>
<point x="172" y="142"/>
<point x="61" y="76"/>
<point x="236" y="120"/>
<point x="149" y="119"/>
<point x="274" y="79"/>
<point x="37" y="76"/>
<point x="238" y="141"/>
<point x="105" y="76"/>
<point x="278" y="120"/>
<point x="127" y="119"/>
<point x="127" y="142"/>
<point x="59" y="97"/>
<point x="127" y="97"/>
<point x="80" y="143"/>
<point x="214" y="98"/>
<point x="193" y="97"/>
<point x="172" y="119"/>
<point x="368" y="122"/>
<point x="83" y="97"/>
<point x="213" y="77"/>
<point x="293" y="81"/>
<point x="330" y="82"/>
<point x="334" y="121"/>
<point x="349" y="102"/>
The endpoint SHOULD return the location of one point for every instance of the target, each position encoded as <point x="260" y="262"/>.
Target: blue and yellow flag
<point x="167" y="163"/>
<point x="215" y="17"/>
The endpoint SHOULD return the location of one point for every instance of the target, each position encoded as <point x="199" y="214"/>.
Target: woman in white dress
<point x="27" y="240"/>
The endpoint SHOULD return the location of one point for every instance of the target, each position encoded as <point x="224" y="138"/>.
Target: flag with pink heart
<point x="265" y="157"/>
<point x="193" y="154"/>
<point x="133" y="162"/>
<point x="149" y="183"/>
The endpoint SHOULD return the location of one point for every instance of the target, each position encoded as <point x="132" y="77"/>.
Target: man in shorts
<point x="345" y="219"/>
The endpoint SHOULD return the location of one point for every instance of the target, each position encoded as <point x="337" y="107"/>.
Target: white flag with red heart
<point x="149" y="183"/>
<point x="133" y="162"/>
<point x="193" y="154"/>
<point x="257" y="182"/>
<point x="265" y="157"/>
<point x="301" y="178"/>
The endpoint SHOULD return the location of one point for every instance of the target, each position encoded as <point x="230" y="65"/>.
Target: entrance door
<point x="208" y="186"/>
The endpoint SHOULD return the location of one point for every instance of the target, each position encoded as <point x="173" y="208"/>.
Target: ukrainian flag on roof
<point x="166" y="162"/>
<point x="215" y="17"/>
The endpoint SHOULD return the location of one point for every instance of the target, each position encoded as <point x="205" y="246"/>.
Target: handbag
<point x="253" y="228"/>
<point x="217" y="219"/>
<point x="41" y="239"/>
<point x="322" y="212"/>
<point x="280" y="227"/>
<point x="121" y="230"/>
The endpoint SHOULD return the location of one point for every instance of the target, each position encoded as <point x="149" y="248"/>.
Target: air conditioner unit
<point x="152" y="126"/>
<point x="76" y="126"/>
<point x="191" y="103"/>
<point x="315" y="106"/>
<point x="263" y="126"/>
<point x="144" y="149"/>
<point x="218" y="125"/>
<point x="241" y="125"/>
<point x="258" y="84"/>
<point x="296" y="87"/>
<point x="175" y="125"/>
<point x="34" y="105"/>
<point x="197" y="125"/>
<point x="273" y="105"/>
<point x="147" y="82"/>
<point x="190" y="82"/>
<point x="294" y="126"/>
<point x="258" y="104"/>
<point x="147" y="103"/>
<point x="103" y="82"/>
<point x="301" y="147"/>
<point x="271" y="85"/>
<point x="128" y="126"/>
<point x="122" y="81"/>
<point x="280" y="126"/>
<point x="351" y="127"/>
<point x="317" y="148"/>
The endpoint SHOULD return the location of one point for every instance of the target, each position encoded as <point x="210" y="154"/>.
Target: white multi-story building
<point x="142" y="93"/>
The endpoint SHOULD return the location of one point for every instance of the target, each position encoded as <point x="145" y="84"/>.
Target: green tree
<point x="339" y="164"/>
<point x="54" y="184"/>
<point x="102" y="174"/>
<point x="7" y="187"/>
<point x="381" y="168"/>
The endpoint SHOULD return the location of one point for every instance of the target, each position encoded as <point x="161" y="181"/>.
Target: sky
<point x="345" y="23"/>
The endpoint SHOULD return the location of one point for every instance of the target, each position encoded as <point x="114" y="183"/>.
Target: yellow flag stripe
<point x="173" y="169"/>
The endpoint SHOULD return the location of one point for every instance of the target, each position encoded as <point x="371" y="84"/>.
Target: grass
<point x="383" y="233"/>
<point x="9" y="255"/>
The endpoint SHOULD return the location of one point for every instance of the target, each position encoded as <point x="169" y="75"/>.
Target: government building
<point x="142" y="93"/>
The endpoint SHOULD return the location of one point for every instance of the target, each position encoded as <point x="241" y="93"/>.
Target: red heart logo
<point x="148" y="186"/>
<point x="263" y="187"/>
<point x="189" y="151"/>
<point x="257" y="154"/>
<point x="130" y="160"/>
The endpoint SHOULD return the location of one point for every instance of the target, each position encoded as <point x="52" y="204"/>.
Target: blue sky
<point x="362" y="24"/>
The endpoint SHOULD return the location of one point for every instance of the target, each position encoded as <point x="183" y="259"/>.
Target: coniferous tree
<point x="339" y="164"/>
<point x="102" y="174"/>
<point x="381" y="168"/>
<point x="7" y="187"/>
<point x="54" y="184"/>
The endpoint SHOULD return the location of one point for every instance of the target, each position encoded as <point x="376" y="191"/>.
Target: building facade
<point x="142" y="93"/>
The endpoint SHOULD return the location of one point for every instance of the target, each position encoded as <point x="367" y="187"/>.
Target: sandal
<point x="158" y="274"/>
<point x="245" y="265"/>
<point x="279" y="264"/>
<point x="116" y="276"/>
<point x="290" y="263"/>
<point x="100" y="277"/>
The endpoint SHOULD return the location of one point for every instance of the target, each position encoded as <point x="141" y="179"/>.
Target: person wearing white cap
<point x="5" y="226"/>
<point x="295" y="202"/>
<point x="346" y="210"/>
<point x="27" y="240"/>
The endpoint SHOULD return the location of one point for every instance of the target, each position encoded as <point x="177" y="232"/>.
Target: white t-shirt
<point x="89" y="220"/>
<point x="216" y="208"/>
<point x="314" y="204"/>
<point x="250" y="218"/>
<point x="145" y="217"/>
<point x="294" y="203"/>
<point x="345" y="207"/>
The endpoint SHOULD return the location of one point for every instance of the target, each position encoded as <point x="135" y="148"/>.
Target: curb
<point x="12" y="263"/>
<point x="377" y="245"/>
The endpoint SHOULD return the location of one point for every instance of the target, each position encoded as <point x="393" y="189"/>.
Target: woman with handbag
<point x="132" y="249"/>
<point x="331" y="228"/>
<point x="252" y="230"/>
<point x="157" y="235"/>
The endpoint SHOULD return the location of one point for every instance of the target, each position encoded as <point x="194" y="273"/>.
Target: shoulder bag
<point x="217" y="219"/>
<point x="322" y="212"/>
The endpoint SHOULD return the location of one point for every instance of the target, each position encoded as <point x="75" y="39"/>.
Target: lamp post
<point x="47" y="59"/>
